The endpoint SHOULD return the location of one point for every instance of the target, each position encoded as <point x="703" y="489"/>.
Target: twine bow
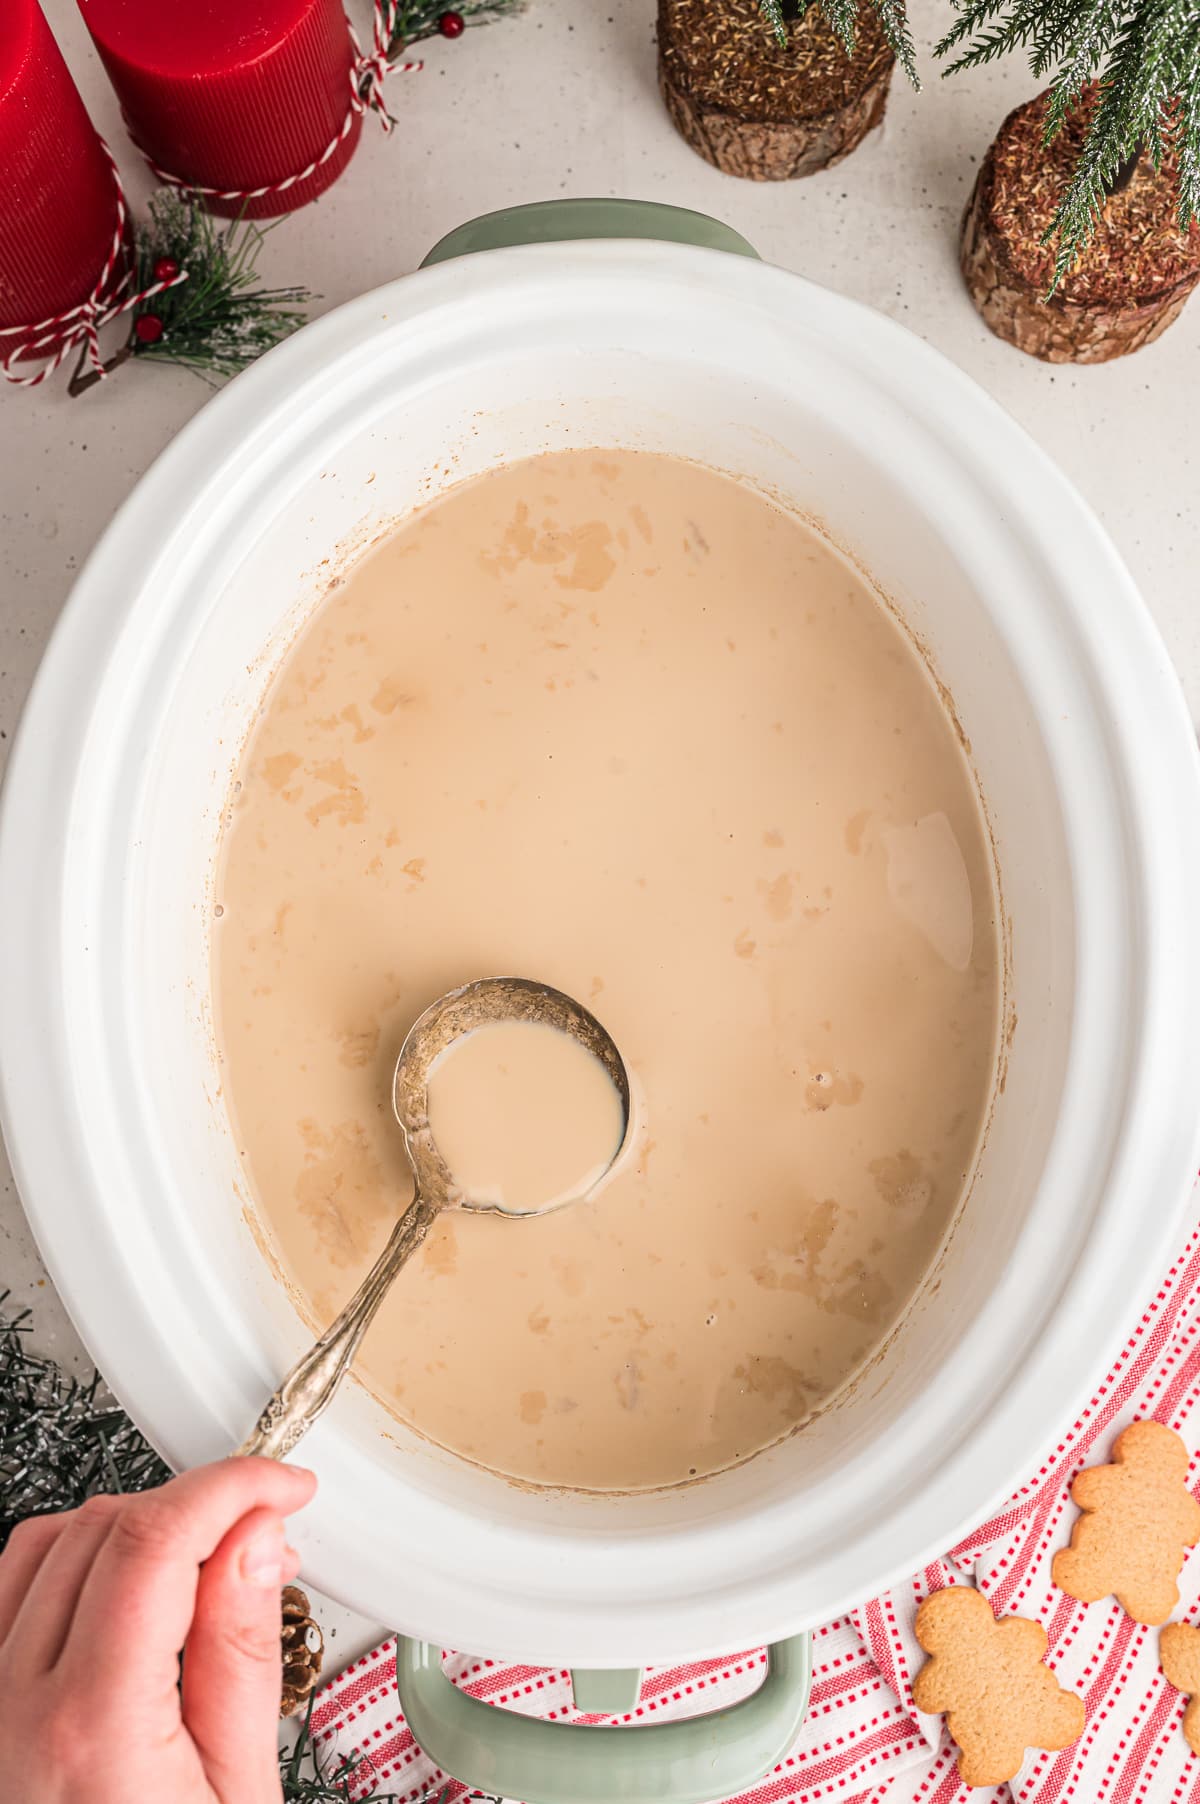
<point x="369" y="73"/>
<point x="57" y="336"/>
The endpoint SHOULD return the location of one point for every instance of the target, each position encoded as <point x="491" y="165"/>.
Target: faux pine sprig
<point x="842" y="16"/>
<point x="1146" y="54"/>
<point x="417" y="19"/>
<point x="306" y="1778"/>
<point x="62" y="1439"/>
<point x="216" y="319"/>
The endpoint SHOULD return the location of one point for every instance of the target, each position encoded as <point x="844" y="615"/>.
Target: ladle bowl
<point x="310" y="1386"/>
<point x="459" y="1012"/>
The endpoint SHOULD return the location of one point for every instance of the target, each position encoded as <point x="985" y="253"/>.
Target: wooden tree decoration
<point x="772" y="89"/>
<point x="1081" y="240"/>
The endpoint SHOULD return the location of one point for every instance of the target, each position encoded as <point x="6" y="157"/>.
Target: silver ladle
<point x="309" y="1387"/>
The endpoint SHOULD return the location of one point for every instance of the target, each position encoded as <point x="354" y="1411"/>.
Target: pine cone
<point x="303" y="1645"/>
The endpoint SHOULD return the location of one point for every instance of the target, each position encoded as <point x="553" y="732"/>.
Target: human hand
<point x="96" y="1606"/>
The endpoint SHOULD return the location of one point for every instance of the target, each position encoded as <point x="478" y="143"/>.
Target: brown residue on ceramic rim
<point x="266" y="1246"/>
<point x="1006" y="1014"/>
<point x="320" y="582"/>
<point x="325" y="579"/>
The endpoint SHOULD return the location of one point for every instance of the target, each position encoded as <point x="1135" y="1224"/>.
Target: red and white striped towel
<point x="864" y="1740"/>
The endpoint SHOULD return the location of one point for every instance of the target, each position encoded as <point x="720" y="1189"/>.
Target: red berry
<point x="147" y="328"/>
<point x="166" y="269"/>
<point x="452" y="25"/>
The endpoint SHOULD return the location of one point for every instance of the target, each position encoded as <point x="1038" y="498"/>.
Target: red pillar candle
<point x="58" y="194"/>
<point x="234" y="96"/>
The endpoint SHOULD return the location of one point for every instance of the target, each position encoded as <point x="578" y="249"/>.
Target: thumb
<point x="232" y="1663"/>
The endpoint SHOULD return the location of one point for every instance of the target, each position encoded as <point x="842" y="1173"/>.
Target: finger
<point x="141" y="1591"/>
<point x="27" y="1547"/>
<point x="44" y="1618"/>
<point x="232" y="1663"/>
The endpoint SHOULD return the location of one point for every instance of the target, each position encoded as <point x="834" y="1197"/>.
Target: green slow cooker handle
<point x="558" y="221"/>
<point x="685" y="1762"/>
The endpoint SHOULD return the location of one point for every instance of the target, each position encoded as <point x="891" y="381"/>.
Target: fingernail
<point x="263" y="1558"/>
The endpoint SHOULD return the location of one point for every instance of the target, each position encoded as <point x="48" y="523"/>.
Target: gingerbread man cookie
<point x="989" y="1678"/>
<point x="1179" y="1652"/>
<point x="1139" y="1519"/>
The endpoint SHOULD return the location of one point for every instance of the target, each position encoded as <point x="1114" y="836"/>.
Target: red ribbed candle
<point x="58" y="197"/>
<point x="233" y="94"/>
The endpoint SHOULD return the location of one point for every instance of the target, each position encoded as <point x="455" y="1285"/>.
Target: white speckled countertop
<point x="563" y="101"/>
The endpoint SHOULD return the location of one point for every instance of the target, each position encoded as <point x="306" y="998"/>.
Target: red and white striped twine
<point x="56" y="337"/>
<point x="368" y="73"/>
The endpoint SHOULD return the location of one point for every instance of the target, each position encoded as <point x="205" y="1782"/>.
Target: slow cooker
<point x="606" y="324"/>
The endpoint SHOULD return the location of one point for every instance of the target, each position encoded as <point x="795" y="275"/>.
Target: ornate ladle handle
<point x="309" y="1387"/>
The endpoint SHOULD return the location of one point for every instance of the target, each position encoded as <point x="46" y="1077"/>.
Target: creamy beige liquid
<point x="617" y="723"/>
<point x="524" y="1117"/>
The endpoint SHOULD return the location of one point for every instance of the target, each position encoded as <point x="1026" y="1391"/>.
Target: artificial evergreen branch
<point x="62" y="1439"/>
<point x="774" y="14"/>
<point x="216" y="321"/>
<point x="417" y="19"/>
<point x="305" y="1778"/>
<point x="1146" y="55"/>
<point x="842" y="16"/>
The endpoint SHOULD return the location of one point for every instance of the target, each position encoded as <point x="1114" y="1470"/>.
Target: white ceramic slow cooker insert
<point x="111" y="820"/>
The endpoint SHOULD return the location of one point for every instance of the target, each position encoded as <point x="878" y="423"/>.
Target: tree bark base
<point x="774" y="153"/>
<point x="1086" y="320"/>
<point x="819" y="104"/>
